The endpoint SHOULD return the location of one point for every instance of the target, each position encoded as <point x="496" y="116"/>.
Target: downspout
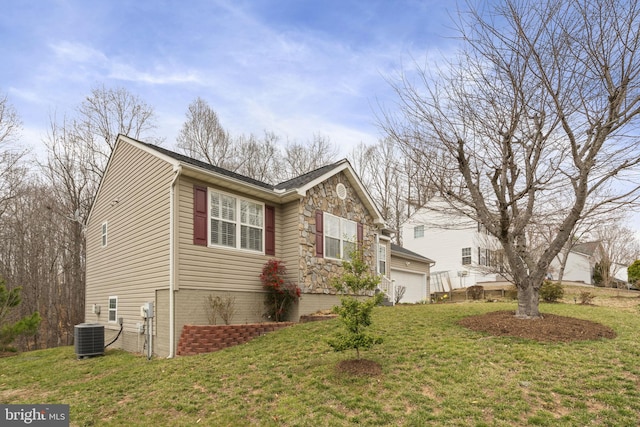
<point x="172" y="254"/>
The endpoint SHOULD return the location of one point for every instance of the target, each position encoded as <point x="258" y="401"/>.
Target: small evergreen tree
<point x="551" y="291"/>
<point x="28" y="325"/>
<point x="355" y="309"/>
<point x="601" y="273"/>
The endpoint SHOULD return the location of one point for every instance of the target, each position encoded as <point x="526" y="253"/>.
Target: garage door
<point x="415" y="284"/>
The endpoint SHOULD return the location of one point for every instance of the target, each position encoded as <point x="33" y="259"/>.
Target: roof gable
<point x="285" y="191"/>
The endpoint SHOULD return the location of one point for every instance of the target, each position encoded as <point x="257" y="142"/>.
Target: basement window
<point x="113" y="309"/>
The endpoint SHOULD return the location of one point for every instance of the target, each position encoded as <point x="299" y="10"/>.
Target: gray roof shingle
<point x="293" y="183"/>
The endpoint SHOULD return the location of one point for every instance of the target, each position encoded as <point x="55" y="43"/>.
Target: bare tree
<point x="259" y="159"/>
<point x="34" y="256"/>
<point x="392" y="179"/>
<point x="10" y="154"/>
<point x="537" y="106"/>
<point x="302" y="158"/>
<point x="106" y="113"/>
<point x="202" y="136"/>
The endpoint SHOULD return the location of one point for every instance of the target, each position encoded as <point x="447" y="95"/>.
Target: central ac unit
<point x="89" y="340"/>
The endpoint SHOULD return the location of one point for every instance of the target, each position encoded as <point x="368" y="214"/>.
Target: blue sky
<point x="296" y="68"/>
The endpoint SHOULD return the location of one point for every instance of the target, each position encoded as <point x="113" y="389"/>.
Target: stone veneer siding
<point x="316" y="272"/>
<point x="197" y="339"/>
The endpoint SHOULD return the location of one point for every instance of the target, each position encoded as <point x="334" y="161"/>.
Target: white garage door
<point x="415" y="284"/>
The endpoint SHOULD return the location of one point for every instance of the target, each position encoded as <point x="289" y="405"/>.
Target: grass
<point x="434" y="373"/>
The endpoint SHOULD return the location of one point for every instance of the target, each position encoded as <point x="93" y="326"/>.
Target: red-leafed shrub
<point x="280" y="293"/>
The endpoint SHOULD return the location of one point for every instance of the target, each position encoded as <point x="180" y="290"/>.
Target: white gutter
<point x="172" y="330"/>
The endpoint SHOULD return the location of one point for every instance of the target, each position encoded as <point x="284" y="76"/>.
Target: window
<point x="236" y="222"/>
<point x="104" y="234"/>
<point x="466" y="256"/>
<point x="339" y="237"/>
<point x="482" y="258"/>
<point x="418" y="231"/>
<point x="382" y="259"/>
<point x="113" y="309"/>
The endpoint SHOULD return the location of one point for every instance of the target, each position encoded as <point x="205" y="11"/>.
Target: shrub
<point x="551" y="291"/>
<point x="586" y="297"/>
<point x="511" y="293"/>
<point x="280" y="293"/>
<point x="475" y="292"/>
<point x="400" y="290"/>
<point x="223" y="307"/>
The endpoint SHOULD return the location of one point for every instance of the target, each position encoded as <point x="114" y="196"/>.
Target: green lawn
<point x="434" y="373"/>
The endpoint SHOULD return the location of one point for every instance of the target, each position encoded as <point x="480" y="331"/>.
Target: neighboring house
<point x="465" y="253"/>
<point x="581" y="263"/>
<point x="169" y="229"/>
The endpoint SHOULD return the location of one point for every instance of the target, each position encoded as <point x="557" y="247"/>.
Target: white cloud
<point x="157" y="76"/>
<point x="78" y="52"/>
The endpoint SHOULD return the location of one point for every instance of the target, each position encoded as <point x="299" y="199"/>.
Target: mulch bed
<point x="551" y="328"/>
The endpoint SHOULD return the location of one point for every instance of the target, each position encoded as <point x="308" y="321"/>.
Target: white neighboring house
<point x="464" y="252"/>
<point x="581" y="263"/>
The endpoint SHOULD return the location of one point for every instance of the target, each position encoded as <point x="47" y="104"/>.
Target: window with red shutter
<point x="200" y="216"/>
<point x="319" y="234"/>
<point x="270" y="230"/>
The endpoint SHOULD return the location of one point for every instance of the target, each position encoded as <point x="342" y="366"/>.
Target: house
<point x="581" y="263"/>
<point x="466" y="254"/>
<point x="171" y="230"/>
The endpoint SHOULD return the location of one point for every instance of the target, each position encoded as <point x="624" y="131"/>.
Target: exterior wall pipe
<point x="172" y="332"/>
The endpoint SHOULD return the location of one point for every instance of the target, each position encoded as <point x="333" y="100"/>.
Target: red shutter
<point x="200" y="216"/>
<point x="270" y="230"/>
<point x="360" y="235"/>
<point x="319" y="234"/>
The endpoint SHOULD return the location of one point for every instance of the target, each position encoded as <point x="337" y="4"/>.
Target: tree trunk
<point x="528" y="300"/>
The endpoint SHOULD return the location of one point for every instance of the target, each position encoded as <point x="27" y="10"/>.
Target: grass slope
<point x="434" y="372"/>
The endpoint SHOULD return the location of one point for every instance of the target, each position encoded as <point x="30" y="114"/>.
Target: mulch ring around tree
<point x="551" y="328"/>
<point x="360" y="367"/>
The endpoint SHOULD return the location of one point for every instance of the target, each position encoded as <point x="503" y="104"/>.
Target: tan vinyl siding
<point x="400" y="263"/>
<point x="288" y="239"/>
<point x="134" y="201"/>
<point x="202" y="267"/>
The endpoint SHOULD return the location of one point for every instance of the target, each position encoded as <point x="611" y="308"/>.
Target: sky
<point x="296" y="68"/>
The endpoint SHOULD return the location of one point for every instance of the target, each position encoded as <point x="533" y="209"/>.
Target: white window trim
<point x="104" y="229"/>
<point x="238" y="223"/>
<point x="342" y="235"/>
<point x="418" y="231"/>
<point x="470" y="256"/>
<point x="115" y="310"/>
<point x="382" y="248"/>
